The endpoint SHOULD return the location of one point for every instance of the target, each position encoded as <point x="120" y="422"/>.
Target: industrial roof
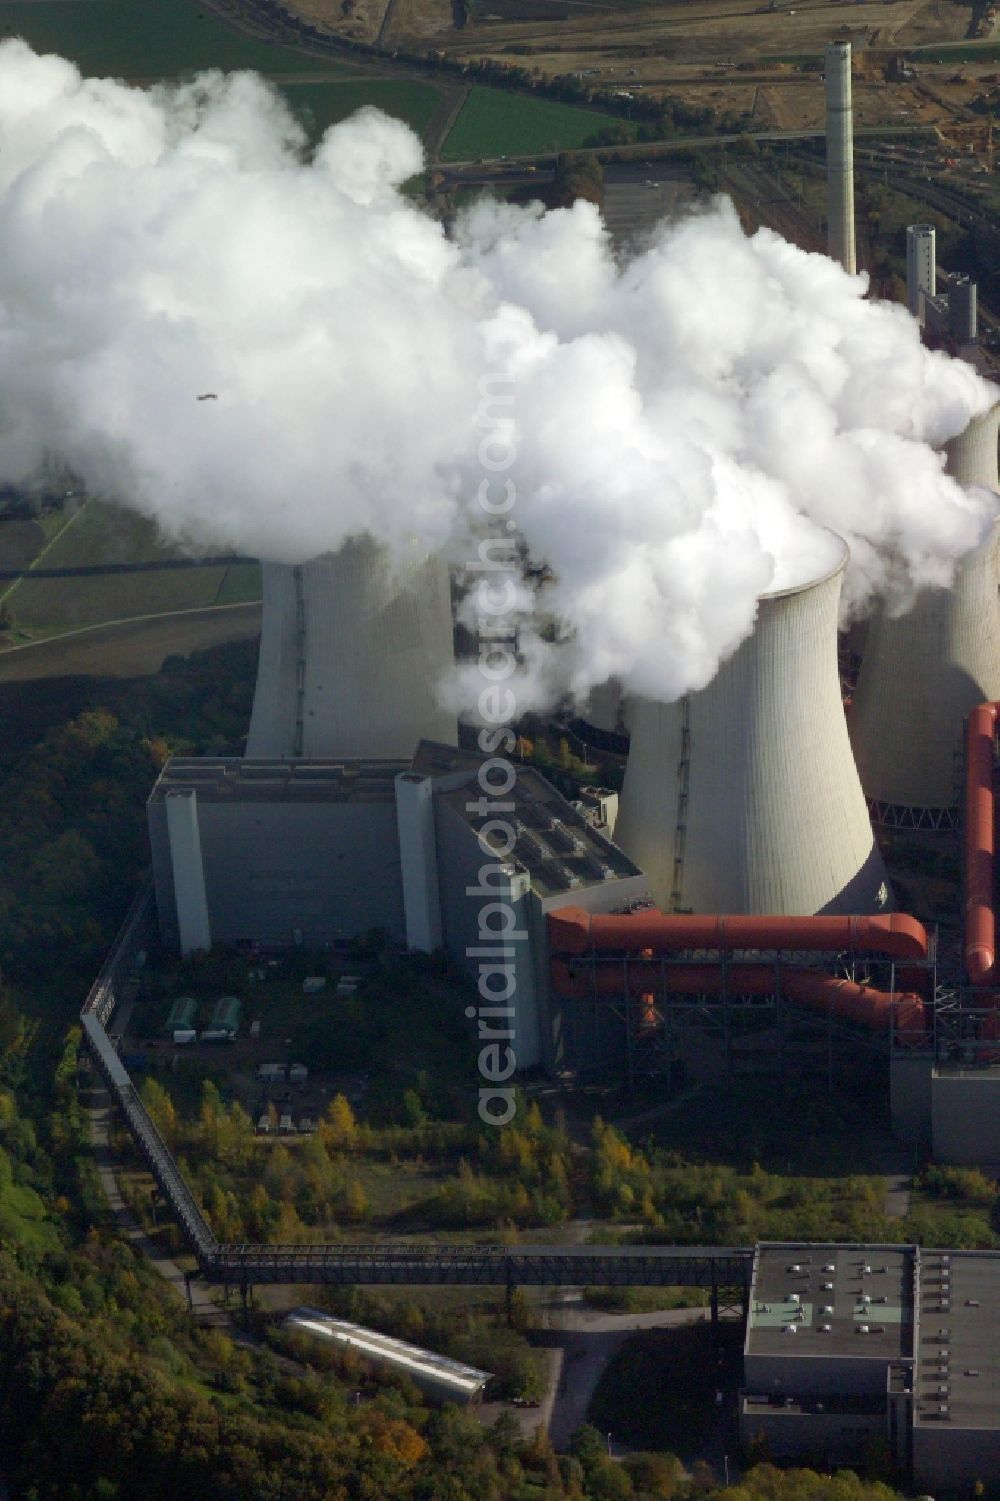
<point x="958" y="1349"/>
<point x="232" y="779"/>
<point x="409" y="1360"/>
<point x="433" y="759"/>
<point x="820" y="1292"/>
<point x="558" y="847"/>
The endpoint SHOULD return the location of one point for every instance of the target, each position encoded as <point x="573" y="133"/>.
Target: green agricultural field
<point x="492" y="122"/>
<point x="959" y="52"/>
<point x="318" y="105"/>
<point x="149" y="39"/>
<point x="103" y="534"/>
<point x="21" y="541"/>
<point x="146" y="40"/>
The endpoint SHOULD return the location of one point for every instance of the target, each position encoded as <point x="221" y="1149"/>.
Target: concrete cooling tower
<point x="744" y="797"/>
<point x="924" y="673"/>
<point x="352" y="649"/>
<point x="605" y="708"/>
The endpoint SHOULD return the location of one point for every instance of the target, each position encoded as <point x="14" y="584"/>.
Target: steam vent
<point x="923" y="673"/>
<point x="744" y="797"/>
<point x="352" y="649"/>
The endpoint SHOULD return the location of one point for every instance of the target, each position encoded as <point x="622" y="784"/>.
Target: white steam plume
<point x="685" y="427"/>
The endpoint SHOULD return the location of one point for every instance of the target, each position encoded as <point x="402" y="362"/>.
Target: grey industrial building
<point x="312" y="853"/>
<point x="860" y="1346"/>
<point x="948" y="1107"/>
<point x="946" y="309"/>
<point x="275" y="852"/>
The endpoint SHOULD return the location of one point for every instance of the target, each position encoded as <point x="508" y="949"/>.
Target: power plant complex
<point x="741" y="872"/>
<point x="728" y="912"/>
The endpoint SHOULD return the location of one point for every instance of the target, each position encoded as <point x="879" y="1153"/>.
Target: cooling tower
<point x="744" y="797"/>
<point x="352" y="649"/>
<point x="839" y="156"/>
<point x="924" y="673"/>
<point x="605" y="708"/>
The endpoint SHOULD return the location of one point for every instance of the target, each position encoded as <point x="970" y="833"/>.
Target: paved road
<point x="588" y="1340"/>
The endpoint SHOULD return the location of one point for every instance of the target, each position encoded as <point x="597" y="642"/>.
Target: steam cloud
<point x="684" y="426"/>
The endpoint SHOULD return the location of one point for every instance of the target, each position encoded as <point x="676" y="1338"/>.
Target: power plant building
<point x="275" y="852"/>
<point x="963" y="310"/>
<point x="313" y="854"/>
<point x="744" y="797"/>
<point x="921" y="267"/>
<point x="840" y="156"/>
<point x="556" y="856"/>
<point x="945" y="304"/>
<point x="924" y="672"/>
<point x="353" y="650"/>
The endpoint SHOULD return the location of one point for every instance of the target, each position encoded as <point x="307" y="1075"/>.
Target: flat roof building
<point x="846" y="1344"/>
<point x="279" y="853"/>
<point x="837" y="1313"/>
<point x="956" y="1416"/>
<point x="313" y="853"/>
<point x="921" y="267"/>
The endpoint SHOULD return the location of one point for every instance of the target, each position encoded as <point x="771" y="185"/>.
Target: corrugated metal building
<point x="226" y="1014"/>
<point x="181" y="1014"/>
<point x="440" y="1379"/>
<point x="555" y="856"/>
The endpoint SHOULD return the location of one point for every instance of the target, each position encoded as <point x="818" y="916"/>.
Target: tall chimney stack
<point x="840" y="157"/>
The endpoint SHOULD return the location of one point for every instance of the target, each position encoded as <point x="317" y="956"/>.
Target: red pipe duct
<point x="980" y="846"/>
<point x="859" y="1004"/>
<point x="574" y="931"/>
